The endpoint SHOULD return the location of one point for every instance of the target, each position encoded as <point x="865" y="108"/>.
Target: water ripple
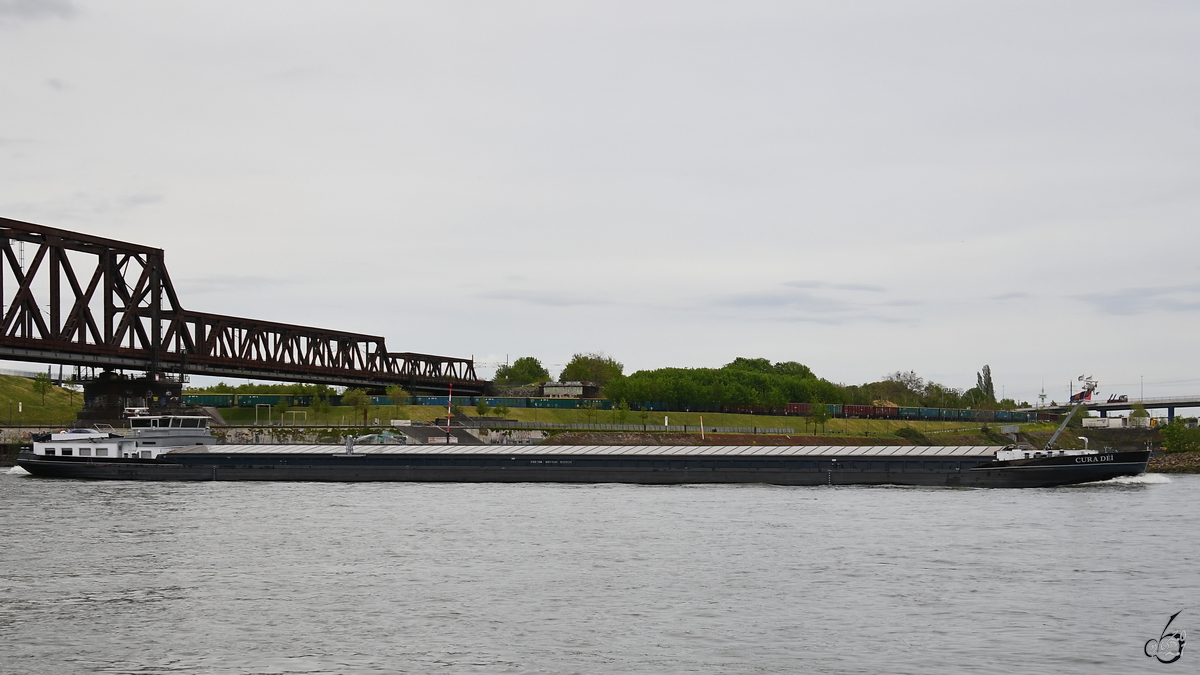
<point x="112" y="577"/>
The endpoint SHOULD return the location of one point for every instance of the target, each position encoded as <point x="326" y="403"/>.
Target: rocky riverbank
<point x="1180" y="462"/>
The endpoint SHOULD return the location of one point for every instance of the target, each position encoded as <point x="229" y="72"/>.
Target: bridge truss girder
<point x="123" y="312"/>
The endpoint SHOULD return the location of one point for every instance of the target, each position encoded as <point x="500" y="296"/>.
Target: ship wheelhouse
<point x="147" y="438"/>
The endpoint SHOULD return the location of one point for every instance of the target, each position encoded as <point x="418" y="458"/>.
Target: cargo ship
<point x="182" y="449"/>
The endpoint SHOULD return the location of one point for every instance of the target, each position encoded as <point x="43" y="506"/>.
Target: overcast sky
<point x="859" y="186"/>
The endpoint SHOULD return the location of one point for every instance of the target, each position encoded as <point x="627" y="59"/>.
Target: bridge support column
<point x="1170" y="415"/>
<point x="1104" y="413"/>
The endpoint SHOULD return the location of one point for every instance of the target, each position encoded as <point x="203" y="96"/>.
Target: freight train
<point x="305" y="401"/>
<point x="898" y="413"/>
<point x="791" y="409"/>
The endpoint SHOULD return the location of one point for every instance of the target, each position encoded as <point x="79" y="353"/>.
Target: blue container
<point x="213" y="400"/>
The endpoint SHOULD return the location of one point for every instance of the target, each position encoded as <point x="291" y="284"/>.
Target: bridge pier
<point x="1103" y="413"/>
<point x="1170" y="415"/>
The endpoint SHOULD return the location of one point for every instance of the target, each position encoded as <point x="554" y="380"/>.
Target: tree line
<point x="583" y="367"/>
<point x="755" y="382"/>
<point x="742" y="382"/>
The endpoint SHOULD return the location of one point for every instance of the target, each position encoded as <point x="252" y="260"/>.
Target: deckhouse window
<point x="66" y="451"/>
<point x="49" y="451"/>
<point x="85" y="452"/>
<point x="102" y="452"/>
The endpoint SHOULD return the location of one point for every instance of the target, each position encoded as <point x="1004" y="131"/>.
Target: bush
<point x="524" y="370"/>
<point x="1177" y="437"/>
<point x="994" y="436"/>
<point x="913" y="435"/>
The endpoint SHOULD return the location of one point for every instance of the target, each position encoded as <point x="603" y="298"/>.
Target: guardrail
<point x="683" y="428"/>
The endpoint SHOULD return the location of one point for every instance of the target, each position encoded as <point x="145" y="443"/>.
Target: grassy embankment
<point x="60" y="407"/>
<point x="16" y="392"/>
<point x="952" y="432"/>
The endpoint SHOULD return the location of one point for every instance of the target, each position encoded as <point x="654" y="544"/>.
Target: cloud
<point x="33" y="10"/>
<point x="841" y="287"/>
<point x="135" y="200"/>
<point x="544" y="298"/>
<point x="56" y="84"/>
<point x="219" y="284"/>
<point x="1015" y="295"/>
<point x="816" y="302"/>
<point x="1128" y="301"/>
<point x="861" y="317"/>
<point x="858" y="287"/>
<point x="81" y="206"/>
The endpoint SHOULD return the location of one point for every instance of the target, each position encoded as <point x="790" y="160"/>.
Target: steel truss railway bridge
<point x="75" y="299"/>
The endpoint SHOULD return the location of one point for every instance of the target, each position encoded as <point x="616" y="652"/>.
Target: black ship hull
<point x="563" y="467"/>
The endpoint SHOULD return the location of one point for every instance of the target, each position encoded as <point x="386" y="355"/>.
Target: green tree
<point x="72" y="382"/>
<point x="481" y="407"/>
<point x="525" y="370"/>
<point x="621" y="411"/>
<point x="976" y="398"/>
<point x="594" y="367"/>
<point x="501" y="410"/>
<point x="590" y="411"/>
<point x="792" y="368"/>
<point x="756" y="365"/>
<point x="357" y="399"/>
<point x="321" y="405"/>
<point x="399" y="398"/>
<point x="984" y="384"/>
<point x="1139" y="417"/>
<point x="42" y="385"/>
<point x="1177" y="437"/>
<point x="910" y="381"/>
<point x="742" y="382"/>
<point x="819" y="415"/>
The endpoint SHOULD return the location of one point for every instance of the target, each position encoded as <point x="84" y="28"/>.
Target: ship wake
<point x="1140" y="479"/>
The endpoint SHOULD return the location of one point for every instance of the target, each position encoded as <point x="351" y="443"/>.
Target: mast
<point x="1085" y="394"/>
<point x="449" y="411"/>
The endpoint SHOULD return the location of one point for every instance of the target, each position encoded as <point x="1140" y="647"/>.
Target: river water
<point x="126" y="577"/>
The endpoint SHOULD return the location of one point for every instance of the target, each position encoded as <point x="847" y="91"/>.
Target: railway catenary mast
<point x="89" y="301"/>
